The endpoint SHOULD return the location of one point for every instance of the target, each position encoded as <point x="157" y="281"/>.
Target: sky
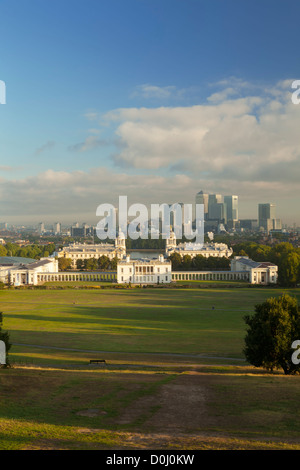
<point x="152" y="99"/>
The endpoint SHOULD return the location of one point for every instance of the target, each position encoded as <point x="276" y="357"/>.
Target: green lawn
<point x="183" y="321"/>
<point x="54" y="399"/>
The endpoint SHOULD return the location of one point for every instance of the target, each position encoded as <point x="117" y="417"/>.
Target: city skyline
<point x="69" y="222"/>
<point x="266" y="217"/>
<point x="147" y="99"/>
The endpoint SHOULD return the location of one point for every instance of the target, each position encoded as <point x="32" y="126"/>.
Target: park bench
<point x="96" y="361"/>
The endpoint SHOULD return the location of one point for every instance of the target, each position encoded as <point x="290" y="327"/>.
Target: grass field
<point x="182" y="321"/>
<point x="174" y="378"/>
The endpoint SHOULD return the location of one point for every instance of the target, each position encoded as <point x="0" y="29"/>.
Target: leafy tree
<point x="242" y="253"/>
<point x="104" y="262"/>
<point x="272" y="330"/>
<point x="186" y="262"/>
<point x="80" y="264"/>
<point x="64" y="264"/>
<point x="91" y="264"/>
<point x="288" y="269"/>
<point x="114" y="263"/>
<point x="175" y="260"/>
<point x="4" y="336"/>
<point x="199" y="262"/>
<point x="3" y="251"/>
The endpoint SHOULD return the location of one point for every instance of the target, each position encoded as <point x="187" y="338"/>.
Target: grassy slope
<point x="179" y="404"/>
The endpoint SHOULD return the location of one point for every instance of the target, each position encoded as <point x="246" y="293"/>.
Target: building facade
<point x="144" y="271"/>
<point x="267" y="218"/>
<point x="194" y="249"/>
<point x="259" y="272"/>
<point x="28" y="272"/>
<point x="241" y="269"/>
<point x="82" y="251"/>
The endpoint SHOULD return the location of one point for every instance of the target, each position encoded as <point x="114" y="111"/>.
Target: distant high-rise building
<point x="266" y="211"/>
<point x="41" y="228"/>
<point x="215" y="198"/>
<point x="267" y="217"/>
<point x="216" y="208"/>
<point x="218" y="211"/>
<point x="202" y="198"/>
<point x="232" y="209"/>
<point x="57" y="227"/>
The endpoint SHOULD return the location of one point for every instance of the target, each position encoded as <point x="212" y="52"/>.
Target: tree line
<point x="198" y="263"/>
<point x="102" y="263"/>
<point x="29" y="251"/>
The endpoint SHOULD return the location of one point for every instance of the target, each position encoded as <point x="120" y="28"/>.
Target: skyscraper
<point x="202" y="198"/>
<point x="215" y="211"/>
<point x="232" y="209"/>
<point x="267" y="217"/>
<point x="41" y="228"/>
<point x="57" y="227"/>
<point x="218" y="211"/>
<point x="266" y="211"/>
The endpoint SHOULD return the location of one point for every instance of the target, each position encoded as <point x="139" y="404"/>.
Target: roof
<point x="255" y="264"/>
<point x="144" y="261"/>
<point x="15" y="260"/>
<point x="189" y="246"/>
<point x="39" y="263"/>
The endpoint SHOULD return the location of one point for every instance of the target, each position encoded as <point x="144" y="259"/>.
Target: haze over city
<point x="153" y="100"/>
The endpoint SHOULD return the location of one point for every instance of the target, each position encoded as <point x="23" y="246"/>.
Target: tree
<point x="288" y="269"/>
<point x="64" y="264"/>
<point x="91" y="264"/>
<point x="4" y="336"/>
<point x="80" y="264"/>
<point x="273" y="328"/>
<point x="175" y="260"/>
<point x="103" y="262"/>
<point x="114" y="263"/>
<point x="3" y="251"/>
<point x="186" y="262"/>
<point x="199" y="262"/>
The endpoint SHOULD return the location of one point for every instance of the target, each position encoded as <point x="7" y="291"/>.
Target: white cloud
<point x="152" y="91"/>
<point x="236" y="142"/>
<point x="75" y="195"/>
<point x="241" y="136"/>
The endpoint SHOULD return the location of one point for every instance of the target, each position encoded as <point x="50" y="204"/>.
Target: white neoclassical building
<point x="259" y="272"/>
<point x="144" y="271"/>
<point x="82" y="251"/>
<point x="26" y="272"/>
<point x="194" y="249"/>
<point x="241" y="269"/>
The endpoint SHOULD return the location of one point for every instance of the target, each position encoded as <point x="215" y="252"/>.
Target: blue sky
<point x="156" y="99"/>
